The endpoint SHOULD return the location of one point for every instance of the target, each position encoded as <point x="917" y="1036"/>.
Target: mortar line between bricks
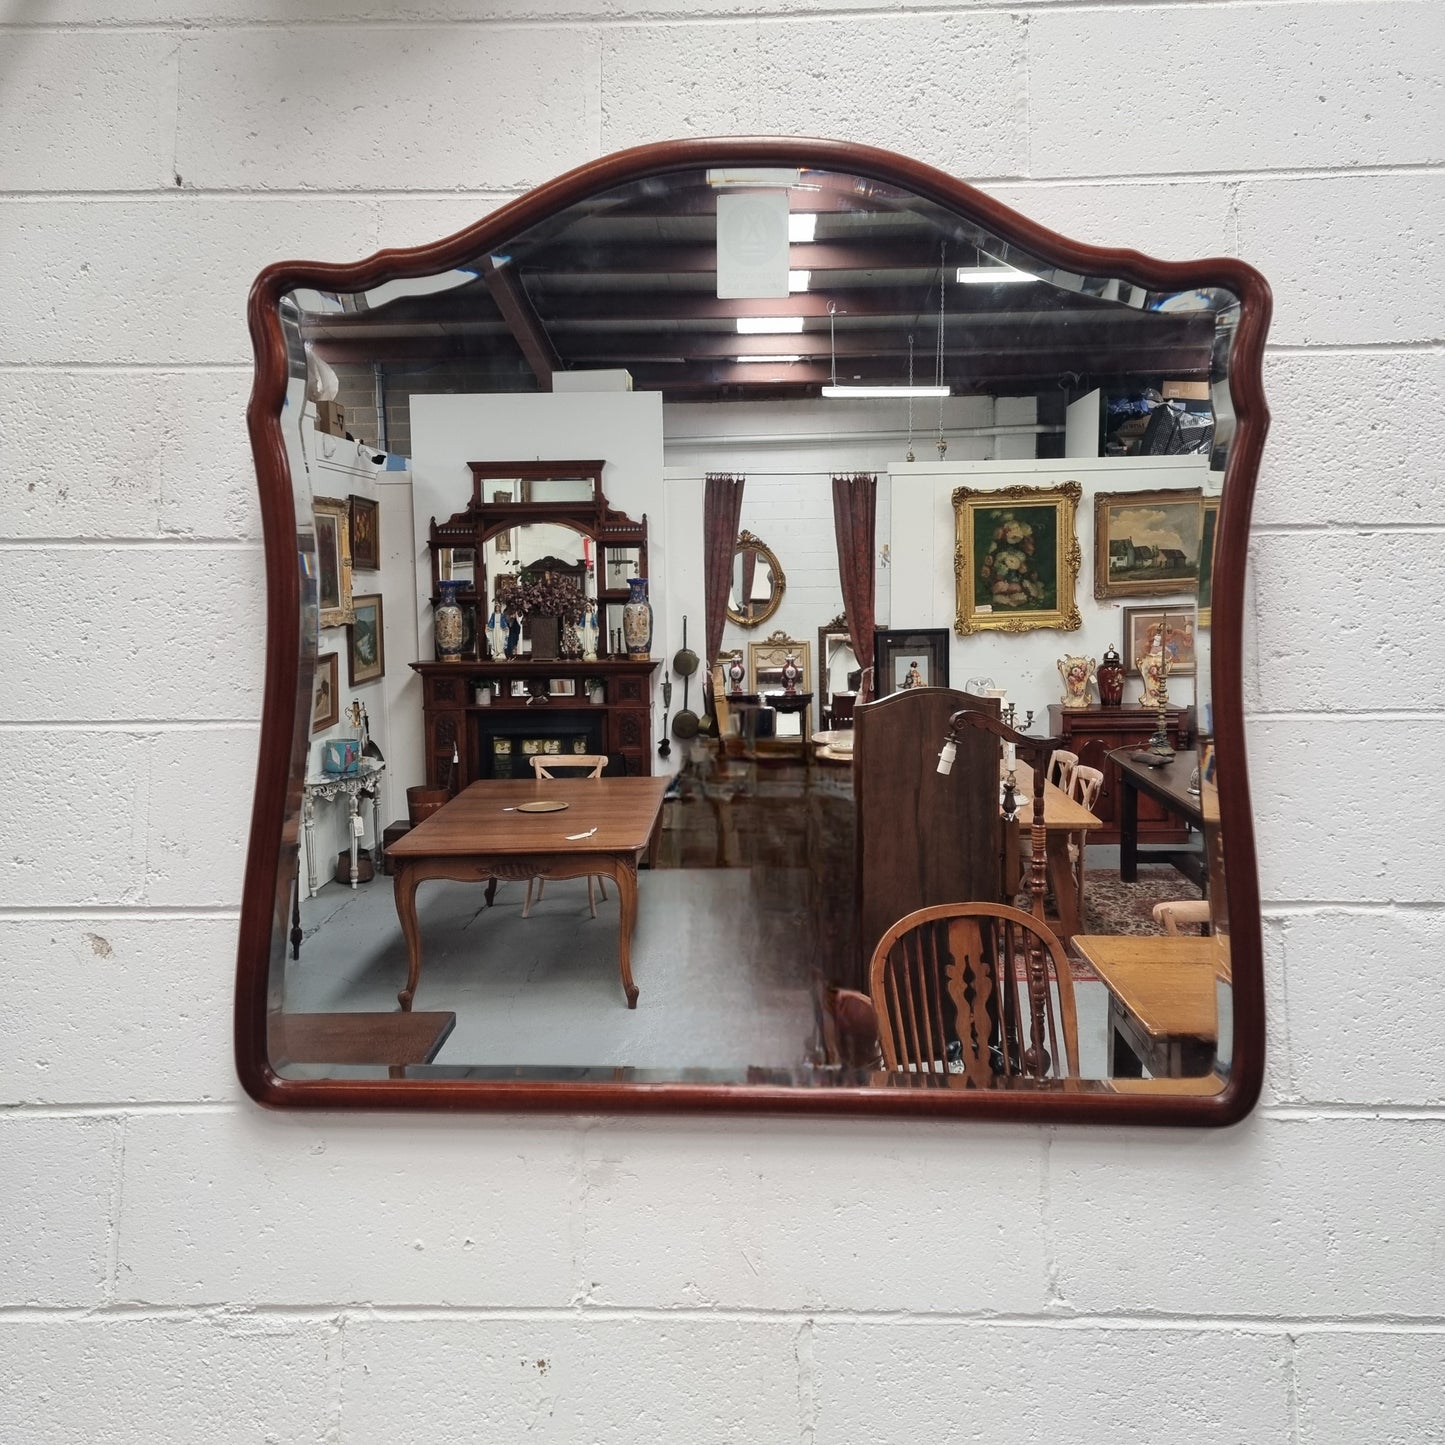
<point x="1351" y="348"/>
<point x="1342" y="529"/>
<point x="1286" y="1112"/>
<point x="494" y="196"/>
<point x="1335" y="714"/>
<point x="103" y="913"/>
<point x="1292" y="1387"/>
<point x="1284" y="910"/>
<point x="1276" y="1325"/>
<point x="128" y="544"/>
<point x="119" y="368"/>
<point x="128" y="725"/>
<point x="657" y="15"/>
<point x="117" y="1203"/>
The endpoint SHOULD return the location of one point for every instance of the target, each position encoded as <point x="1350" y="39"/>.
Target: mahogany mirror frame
<point x="265" y="898"/>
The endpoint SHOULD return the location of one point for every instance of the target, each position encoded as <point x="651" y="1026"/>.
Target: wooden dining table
<point x="1168" y="784"/>
<point x="1063" y="818"/>
<point x="488" y="832"/>
<point x="1163" y="1000"/>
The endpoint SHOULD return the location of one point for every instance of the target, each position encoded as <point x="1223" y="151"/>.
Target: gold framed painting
<point x="1016" y="558"/>
<point x="1146" y="544"/>
<point x="766" y="659"/>
<point x="325" y="694"/>
<point x="1206" y="561"/>
<point x="333" y="561"/>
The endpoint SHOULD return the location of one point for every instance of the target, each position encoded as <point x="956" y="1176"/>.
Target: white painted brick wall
<point x="176" y="1265"/>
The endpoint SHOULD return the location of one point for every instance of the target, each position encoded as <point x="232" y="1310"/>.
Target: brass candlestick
<point x="1158" y="745"/>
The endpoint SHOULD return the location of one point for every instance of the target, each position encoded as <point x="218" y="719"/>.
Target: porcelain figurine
<point x="1154" y="669"/>
<point x="1077" y="672"/>
<point x="497" y="631"/>
<point x="590" y="631"/>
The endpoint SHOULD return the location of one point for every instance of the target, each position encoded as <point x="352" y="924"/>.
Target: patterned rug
<point x="1111" y="906"/>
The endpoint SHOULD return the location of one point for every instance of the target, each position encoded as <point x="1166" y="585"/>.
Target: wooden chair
<point x="948" y="995"/>
<point x="1061" y="769"/>
<point x="1084" y="789"/>
<point x="542" y="766"/>
<point x="922" y="838"/>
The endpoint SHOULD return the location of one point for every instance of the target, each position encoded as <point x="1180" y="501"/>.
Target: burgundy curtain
<point x="855" y="506"/>
<point x="722" y="507"/>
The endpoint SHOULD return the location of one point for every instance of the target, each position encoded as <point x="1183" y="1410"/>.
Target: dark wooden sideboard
<point x="1093" y="733"/>
<point x="620" y="725"/>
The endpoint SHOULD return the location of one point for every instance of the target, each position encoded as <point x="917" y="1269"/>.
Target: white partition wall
<point x="923" y="593"/>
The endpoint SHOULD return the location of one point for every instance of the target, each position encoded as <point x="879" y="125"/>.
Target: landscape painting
<point x="1147" y="544"/>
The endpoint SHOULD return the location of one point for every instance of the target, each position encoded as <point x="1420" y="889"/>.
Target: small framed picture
<point x="519" y="688"/>
<point x="1142" y="626"/>
<point x="365" y="533"/>
<point x="326" y="694"/>
<point x="366" y="654"/>
<point x="333" y="560"/>
<point x="905" y="659"/>
<point x="563" y="687"/>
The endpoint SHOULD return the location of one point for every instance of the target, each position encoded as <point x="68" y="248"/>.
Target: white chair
<point x="1084" y="785"/>
<point x="1183" y="910"/>
<point x="1061" y="769"/>
<point x="542" y="766"/>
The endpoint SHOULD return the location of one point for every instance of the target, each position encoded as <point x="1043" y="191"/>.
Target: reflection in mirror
<point x="757" y="585"/>
<point x="510" y="867"/>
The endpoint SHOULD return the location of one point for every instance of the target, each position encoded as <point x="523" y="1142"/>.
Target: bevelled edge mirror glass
<point x="1235" y="301"/>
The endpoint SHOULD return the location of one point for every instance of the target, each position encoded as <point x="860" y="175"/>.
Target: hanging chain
<point x="832" y="345"/>
<point x="938" y="366"/>
<point x="909" y="455"/>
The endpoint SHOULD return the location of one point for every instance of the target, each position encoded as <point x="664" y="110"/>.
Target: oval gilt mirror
<point x="485" y="878"/>
<point x="758" y="583"/>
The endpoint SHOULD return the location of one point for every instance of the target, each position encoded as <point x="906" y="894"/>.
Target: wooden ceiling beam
<point x="522" y="320"/>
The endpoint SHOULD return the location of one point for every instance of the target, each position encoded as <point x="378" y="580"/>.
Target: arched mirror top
<point x="616" y="265"/>
<point x="758" y="582"/>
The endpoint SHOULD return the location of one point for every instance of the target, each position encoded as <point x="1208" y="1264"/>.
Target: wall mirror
<point x="758" y="583"/>
<point x="440" y="913"/>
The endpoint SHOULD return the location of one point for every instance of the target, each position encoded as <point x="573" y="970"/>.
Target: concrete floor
<point x="750" y="906"/>
<point x="724" y="984"/>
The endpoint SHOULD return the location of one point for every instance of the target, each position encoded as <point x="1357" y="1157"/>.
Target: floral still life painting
<point x="1016" y="558"/>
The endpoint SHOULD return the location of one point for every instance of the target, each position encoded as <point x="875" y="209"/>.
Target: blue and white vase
<point x="447" y="622"/>
<point x="637" y="620"/>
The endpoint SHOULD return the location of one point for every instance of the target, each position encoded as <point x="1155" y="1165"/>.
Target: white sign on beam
<point x="752" y="245"/>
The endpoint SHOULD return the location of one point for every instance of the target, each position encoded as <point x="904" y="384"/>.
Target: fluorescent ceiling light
<point x="770" y="358"/>
<point x="722" y="176"/>
<point x="802" y="225"/>
<point x="886" y="391"/>
<point x="763" y="325"/>
<point x="799" y="280"/>
<point x="991" y="275"/>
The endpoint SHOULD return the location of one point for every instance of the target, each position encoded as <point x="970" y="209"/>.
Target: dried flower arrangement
<point x="545" y="594"/>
